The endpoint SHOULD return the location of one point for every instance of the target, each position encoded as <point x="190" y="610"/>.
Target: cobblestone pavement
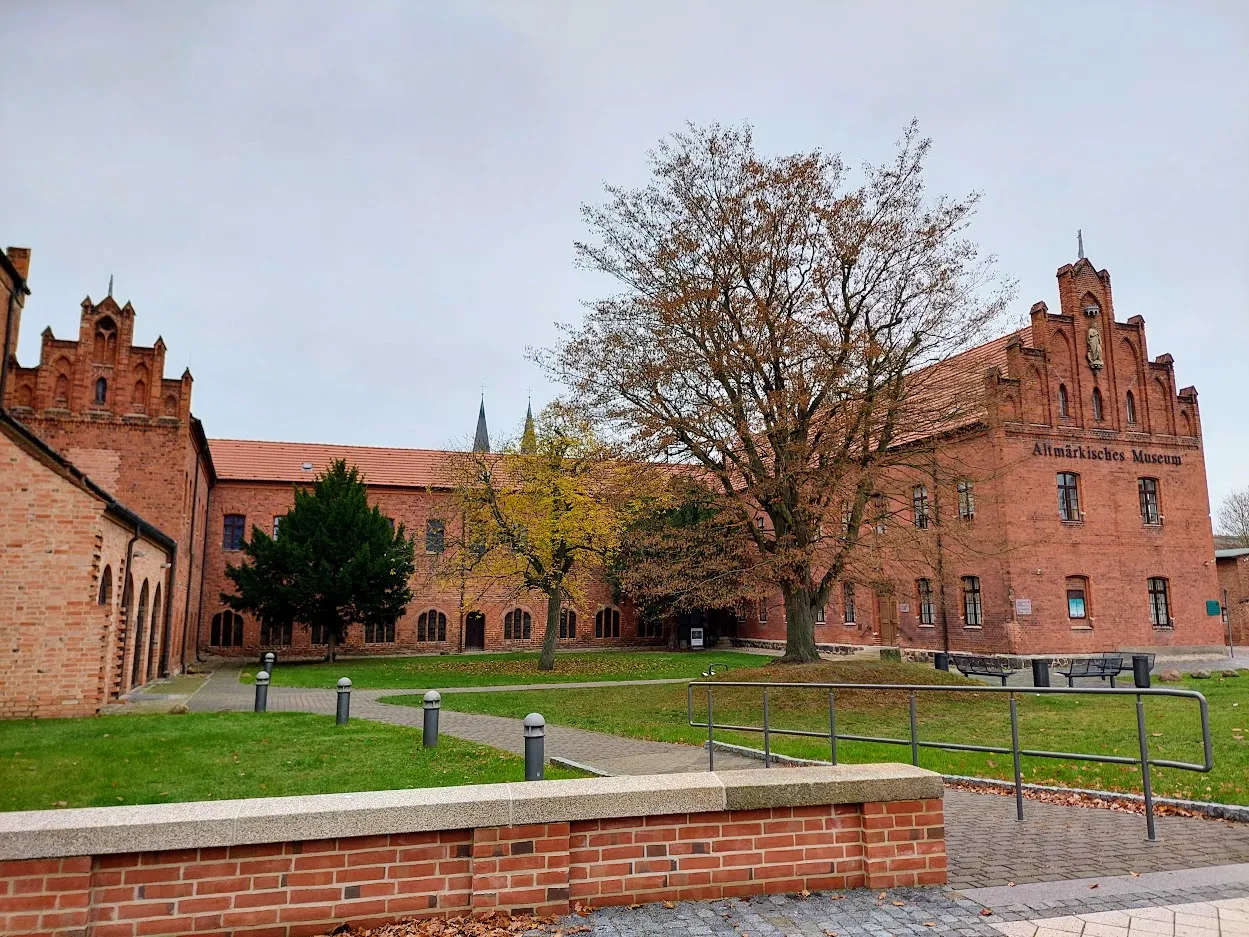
<point x="909" y="912"/>
<point x="987" y="846"/>
<point x="1183" y="665"/>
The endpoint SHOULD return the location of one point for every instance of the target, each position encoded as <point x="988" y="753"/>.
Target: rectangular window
<point x="1159" y="603"/>
<point x="275" y="635"/>
<point x="973" y="613"/>
<point x="232" y="533"/>
<point x="881" y="509"/>
<point x="320" y="635"/>
<point x="379" y="634"/>
<point x="743" y="609"/>
<point x="435" y="536"/>
<point x="1077" y="597"/>
<point x="847" y="599"/>
<point x="919" y="506"/>
<point x="923" y="593"/>
<point x="966" y="500"/>
<point x="819" y="615"/>
<point x="1069" y="496"/>
<point x="276" y="522"/>
<point x="1147" y="488"/>
<point x="763" y="611"/>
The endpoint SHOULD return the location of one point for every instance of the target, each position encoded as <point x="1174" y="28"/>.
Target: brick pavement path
<point x="987" y="846"/>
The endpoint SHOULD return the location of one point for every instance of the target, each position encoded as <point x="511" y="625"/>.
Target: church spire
<point x="481" y="441"/>
<point x="529" y="439"/>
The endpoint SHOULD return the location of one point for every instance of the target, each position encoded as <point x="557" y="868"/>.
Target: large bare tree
<point x="770" y="326"/>
<point x="1234" y="516"/>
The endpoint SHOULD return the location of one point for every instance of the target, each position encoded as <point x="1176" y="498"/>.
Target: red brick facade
<point x="1074" y="392"/>
<point x="310" y="887"/>
<point x="1233" y="569"/>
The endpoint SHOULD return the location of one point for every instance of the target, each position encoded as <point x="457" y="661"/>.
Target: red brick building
<point x="1065" y="511"/>
<point x="1233" y="570"/>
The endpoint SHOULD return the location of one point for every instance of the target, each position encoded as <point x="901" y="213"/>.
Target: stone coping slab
<point x="86" y="831"/>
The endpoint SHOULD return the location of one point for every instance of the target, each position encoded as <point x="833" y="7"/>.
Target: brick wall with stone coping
<point x="304" y="865"/>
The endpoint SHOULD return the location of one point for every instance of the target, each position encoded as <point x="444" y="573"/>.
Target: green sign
<point x="1213" y="607"/>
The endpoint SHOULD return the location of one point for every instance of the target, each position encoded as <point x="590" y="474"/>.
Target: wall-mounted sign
<point x="1023" y="606"/>
<point x="1104" y="454"/>
<point x="1214" y="607"/>
<point x="903" y="607"/>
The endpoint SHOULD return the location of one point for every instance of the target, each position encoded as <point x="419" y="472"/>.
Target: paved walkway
<point x="986" y="844"/>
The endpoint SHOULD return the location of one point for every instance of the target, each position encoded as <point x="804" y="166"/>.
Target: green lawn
<point x="1054" y="723"/>
<point x="435" y="672"/>
<point x="113" y="760"/>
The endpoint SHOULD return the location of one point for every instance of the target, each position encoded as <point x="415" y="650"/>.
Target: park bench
<point x="975" y="666"/>
<point x="1108" y="666"/>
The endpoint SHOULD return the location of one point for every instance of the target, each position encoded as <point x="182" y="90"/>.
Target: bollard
<point x="535" y="736"/>
<point x="1140" y="671"/>
<point x="344" y="701"/>
<point x="941" y="660"/>
<point x="1040" y="672"/>
<point x="270" y="660"/>
<point x="433" y="703"/>
<point x="262" y="692"/>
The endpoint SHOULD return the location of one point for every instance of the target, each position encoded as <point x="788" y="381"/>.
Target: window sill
<point x="1067" y="523"/>
<point x="973" y="627"/>
<point x="1170" y="627"/>
<point x="928" y="627"/>
<point x="1157" y="525"/>
<point x="1081" y="627"/>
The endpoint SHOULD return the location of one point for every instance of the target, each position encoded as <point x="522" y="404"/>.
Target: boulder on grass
<point x="1169" y="676"/>
<point x="179" y="709"/>
<point x="1201" y="675"/>
<point x="1231" y="673"/>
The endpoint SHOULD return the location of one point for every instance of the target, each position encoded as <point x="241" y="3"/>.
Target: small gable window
<point x="1131" y="408"/>
<point x="1064" y="406"/>
<point x="106" y="586"/>
<point x="101" y="390"/>
<point x="1097" y="405"/>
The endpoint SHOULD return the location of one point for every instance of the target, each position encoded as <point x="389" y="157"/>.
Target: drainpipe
<point x="190" y="568"/>
<point x="199" y="618"/>
<point x="169" y="588"/>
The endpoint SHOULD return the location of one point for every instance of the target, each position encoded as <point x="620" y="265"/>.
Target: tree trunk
<point x="799" y="626"/>
<point x="554" y="599"/>
<point x="331" y="645"/>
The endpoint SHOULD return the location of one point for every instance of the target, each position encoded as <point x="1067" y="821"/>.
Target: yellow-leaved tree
<point x="547" y="513"/>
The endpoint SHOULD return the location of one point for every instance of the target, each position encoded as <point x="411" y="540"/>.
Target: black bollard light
<point x="270" y="660"/>
<point x="262" y="692"/>
<point x="432" y="704"/>
<point x="535" y="741"/>
<point x="941" y="660"/>
<point x="344" y="701"/>
<point x="1140" y="671"/>
<point x="1040" y="671"/>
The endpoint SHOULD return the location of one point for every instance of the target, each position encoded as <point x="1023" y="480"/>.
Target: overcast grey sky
<point x="348" y="217"/>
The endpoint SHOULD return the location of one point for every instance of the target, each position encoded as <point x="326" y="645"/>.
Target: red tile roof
<point x="258" y="460"/>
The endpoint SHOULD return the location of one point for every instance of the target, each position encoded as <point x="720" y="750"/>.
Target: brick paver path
<point x="987" y="846"/>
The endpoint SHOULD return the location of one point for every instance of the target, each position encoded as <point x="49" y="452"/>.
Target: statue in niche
<point x="1095" y="348"/>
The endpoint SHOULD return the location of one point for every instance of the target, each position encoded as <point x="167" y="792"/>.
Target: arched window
<point x="1078" y="598"/>
<point x="151" y="636"/>
<point x="105" y="339"/>
<point x="139" y="399"/>
<point x="1097" y="404"/>
<point x="1131" y="408"/>
<point x="431" y="626"/>
<point x="101" y="390"/>
<point x="106" y="586"/>
<point x="139" y="620"/>
<point x="567" y="623"/>
<point x="1069" y="496"/>
<point x="276" y="634"/>
<point x="227" y="630"/>
<point x="919" y="506"/>
<point x="517" y="625"/>
<point x="1159" y="603"/>
<point x="1064" y="408"/>
<point x="607" y="623"/>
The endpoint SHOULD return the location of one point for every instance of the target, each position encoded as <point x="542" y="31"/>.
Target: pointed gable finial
<point x="529" y="438"/>
<point x="1080" y="242"/>
<point x="110" y="284"/>
<point x="481" y="439"/>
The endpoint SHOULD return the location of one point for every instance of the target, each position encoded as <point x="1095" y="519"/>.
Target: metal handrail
<point x="1143" y="760"/>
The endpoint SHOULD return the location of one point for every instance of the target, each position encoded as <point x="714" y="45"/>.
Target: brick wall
<point x="1233" y="574"/>
<point x="309" y="887"/>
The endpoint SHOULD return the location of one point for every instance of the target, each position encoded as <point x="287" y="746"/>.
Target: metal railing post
<point x="914" y="733"/>
<point x="711" y="735"/>
<point x="832" y="728"/>
<point x="1145" y="778"/>
<point x="767" y="735"/>
<point x="1014" y="746"/>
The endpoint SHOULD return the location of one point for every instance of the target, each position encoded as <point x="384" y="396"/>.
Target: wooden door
<point x="888" y="621"/>
<point x="475" y="631"/>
